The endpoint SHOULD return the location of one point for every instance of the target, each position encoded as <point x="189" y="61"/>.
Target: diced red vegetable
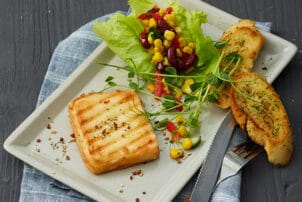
<point x="175" y="136"/>
<point x="169" y="10"/>
<point x="156" y="16"/>
<point x="158" y="84"/>
<point x="145" y="16"/>
<point x="171" y="127"/>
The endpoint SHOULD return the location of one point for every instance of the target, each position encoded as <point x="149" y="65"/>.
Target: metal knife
<point x="210" y="169"/>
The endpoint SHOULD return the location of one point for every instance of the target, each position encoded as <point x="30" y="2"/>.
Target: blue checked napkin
<point x="68" y="55"/>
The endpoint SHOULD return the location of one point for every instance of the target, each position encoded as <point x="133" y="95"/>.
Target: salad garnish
<point x="169" y="58"/>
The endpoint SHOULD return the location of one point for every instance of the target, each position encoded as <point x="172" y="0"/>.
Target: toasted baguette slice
<point x="267" y="121"/>
<point x="111" y="130"/>
<point x="239" y="115"/>
<point x="247" y="41"/>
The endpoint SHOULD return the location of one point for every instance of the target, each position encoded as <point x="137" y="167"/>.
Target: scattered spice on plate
<point x="54" y="132"/>
<point x="48" y="126"/>
<point x="122" y="188"/>
<point x="138" y="172"/>
<point x="38" y="140"/>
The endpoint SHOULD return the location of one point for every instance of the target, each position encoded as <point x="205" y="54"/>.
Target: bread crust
<point x="266" y="120"/>
<point x="247" y="41"/>
<point x="111" y="130"/>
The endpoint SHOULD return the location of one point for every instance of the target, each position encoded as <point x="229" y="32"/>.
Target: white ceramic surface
<point x="162" y="178"/>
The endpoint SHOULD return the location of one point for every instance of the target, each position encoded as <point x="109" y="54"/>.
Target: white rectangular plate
<point x="162" y="178"/>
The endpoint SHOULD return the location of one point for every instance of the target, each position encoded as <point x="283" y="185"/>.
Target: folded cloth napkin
<point x="68" y="55"/>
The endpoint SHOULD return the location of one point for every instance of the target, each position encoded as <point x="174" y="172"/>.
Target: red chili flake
<point x="38" y="140"/>
<point x="106" y="101"/>
<point x="131" y="177"/>
<point x="72" y="135"/>
<point x="48" y="126"/>
<point x="137" y="200"/>
<point x="137" y="172"/>
<point x="61" y="139"/>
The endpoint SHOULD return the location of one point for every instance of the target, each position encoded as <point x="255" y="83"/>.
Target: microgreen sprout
<point x="205" y="89"/>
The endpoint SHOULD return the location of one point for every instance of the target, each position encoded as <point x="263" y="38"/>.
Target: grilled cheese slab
<point x="112" y="131"/>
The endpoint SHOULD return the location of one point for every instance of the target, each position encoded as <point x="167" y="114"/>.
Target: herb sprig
<point x="206" y="90"/>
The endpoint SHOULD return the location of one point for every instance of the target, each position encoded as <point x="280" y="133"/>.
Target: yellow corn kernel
<point x="178" y="30"/>
<point x="187" y="49"/>
<point x="178" y="52"/>
<point x="171" y="22"/>
<point x="145" y="22"/>
<point x="177" y="93"/>
<point x="186" y="143"/>
<point x="166" y="88"/>
<point x="169" y="35"/>
<point x="152" y="22"/>
<point x="151" y="50"/>
<point x="176" y="153"/>
<point x="158" y="42"/>
<point x="182" y="130"/>
<point x="186" y="86"/>
<point x="161" y="12"/>
<point x="158" y="49"/>
<point x="157" y="57"/>
<point x="192" y="45"/>
<point x="166" y="62"/>
<point x="150" y="39"/>
<point x="182" y="41"/>
<point x="169" y="17"/>
<point x="167" y="43"/>
<point x="150" y="87"/>
<point x="179" y="119"/>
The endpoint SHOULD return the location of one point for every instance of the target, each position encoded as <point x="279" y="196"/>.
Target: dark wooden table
<point x="31" y="29"/>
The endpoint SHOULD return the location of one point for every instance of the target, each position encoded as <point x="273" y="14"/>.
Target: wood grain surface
<point x="31" y="29"/>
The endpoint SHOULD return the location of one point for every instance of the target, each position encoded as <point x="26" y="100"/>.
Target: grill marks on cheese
<point x="114" y="128"/>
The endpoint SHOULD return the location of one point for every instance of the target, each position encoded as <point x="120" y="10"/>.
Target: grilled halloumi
<point x="247" y="41"/>
<point x="112" y="131"/>
<point x="258" y="108"/>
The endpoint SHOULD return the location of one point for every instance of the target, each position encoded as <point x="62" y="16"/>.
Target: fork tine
<point x="247" y="150"/>
<point x="237" y="157"/>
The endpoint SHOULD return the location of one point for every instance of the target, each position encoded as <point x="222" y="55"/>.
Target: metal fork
<point x="237" y="157"/>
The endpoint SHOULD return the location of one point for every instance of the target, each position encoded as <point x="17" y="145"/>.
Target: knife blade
<point x="210" y="169"/>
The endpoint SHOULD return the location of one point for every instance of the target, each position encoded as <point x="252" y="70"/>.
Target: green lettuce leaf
<point x="140" y="6"/>
<point x="121" y="33"/>
<point x="190" y="23"/>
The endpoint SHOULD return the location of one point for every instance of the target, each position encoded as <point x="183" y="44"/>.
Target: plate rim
<point x="10" y="146"/>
